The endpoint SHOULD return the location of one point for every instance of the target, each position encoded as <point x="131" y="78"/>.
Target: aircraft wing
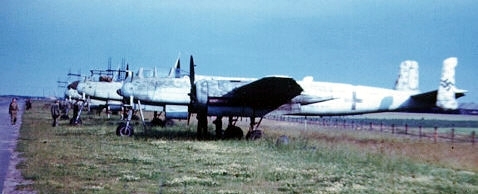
<point x="265" y="93"/>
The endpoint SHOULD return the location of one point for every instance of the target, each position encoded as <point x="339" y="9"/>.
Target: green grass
<point x="92" y="159"/>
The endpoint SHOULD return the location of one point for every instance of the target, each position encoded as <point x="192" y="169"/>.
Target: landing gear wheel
<point x="169" y="123"/>
<point x="124" y="130"/>
<point x="157" y="122"/>
<point x="75" y="122"/>
<point x="254" y="135"/>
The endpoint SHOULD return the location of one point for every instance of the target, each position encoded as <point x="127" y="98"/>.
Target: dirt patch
<point x="14" y="178"/>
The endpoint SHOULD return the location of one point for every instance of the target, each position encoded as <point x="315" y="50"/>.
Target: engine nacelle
<point x="216" y="97"/>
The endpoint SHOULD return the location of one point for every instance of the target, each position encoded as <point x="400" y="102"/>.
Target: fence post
<point x="452" y="135"/>
<point x="381" y="126"/>
<point x="420" y="131"/>
<point x="393" y="128"/>
<point x="371" y="127"/>
<point x="473" y="134"/>
<point x="435" y="134"/>
<point x="406" y="129"/>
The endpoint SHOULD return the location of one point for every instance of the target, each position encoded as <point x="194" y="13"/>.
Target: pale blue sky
<point x="358" y="42"/>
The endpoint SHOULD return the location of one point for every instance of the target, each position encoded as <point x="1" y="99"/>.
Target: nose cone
<point x="72" y="93"/>
<point x="85" y="88"/>
<point x="80" y="87"/>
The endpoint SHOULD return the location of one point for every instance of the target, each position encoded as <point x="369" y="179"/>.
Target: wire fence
<point x="451" y="131"/>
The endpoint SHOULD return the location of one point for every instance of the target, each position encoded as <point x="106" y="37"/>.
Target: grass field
<point x="92" y="159"/>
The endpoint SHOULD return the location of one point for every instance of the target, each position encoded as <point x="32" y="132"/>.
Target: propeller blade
<point x="192" y="94"/>
<point x="191" y="71"/>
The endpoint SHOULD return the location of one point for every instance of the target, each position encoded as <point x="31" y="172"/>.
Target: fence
<point x="426" y="130"/>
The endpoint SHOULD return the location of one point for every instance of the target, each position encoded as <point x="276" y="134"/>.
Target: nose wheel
<point x="124" y="130"/>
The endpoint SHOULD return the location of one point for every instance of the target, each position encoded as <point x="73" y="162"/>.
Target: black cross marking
<point x="355" y="100"/>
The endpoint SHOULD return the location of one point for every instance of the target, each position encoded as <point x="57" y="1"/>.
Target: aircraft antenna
<point x="73" y="74"/>
<point x="109" y="73"/>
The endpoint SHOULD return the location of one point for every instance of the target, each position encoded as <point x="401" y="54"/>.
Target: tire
<point x="169" y="123"/>
<point x="123" y="130"/>
<point x="233" y="132"/>
<point x="157" y="122"/>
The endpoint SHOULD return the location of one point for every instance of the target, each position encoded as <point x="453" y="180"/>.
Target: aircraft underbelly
<point x="235" y="111"/>
<point x="171" y="97"/>
<point x="107" y="94"/>
<point x="165" y="95"/>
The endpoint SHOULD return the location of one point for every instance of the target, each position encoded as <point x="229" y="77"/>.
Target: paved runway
<point x="8" y="138"/>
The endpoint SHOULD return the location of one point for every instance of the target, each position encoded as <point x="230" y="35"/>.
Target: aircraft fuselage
<point x="340" y="99"/>
<point x="101" y="90"/>
<point x="158" y="91"/>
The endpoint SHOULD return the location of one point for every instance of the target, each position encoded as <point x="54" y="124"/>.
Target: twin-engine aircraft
<point x="329" y="99"/>
<point x="101" y="88"/>
<point x="98" y="91"/>
<point x="180" y="96"/>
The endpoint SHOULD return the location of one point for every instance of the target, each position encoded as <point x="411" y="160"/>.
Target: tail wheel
<point x="124" y="130"/>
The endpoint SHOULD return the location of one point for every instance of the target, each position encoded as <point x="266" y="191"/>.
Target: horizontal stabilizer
<point x="446" y="95"/>
<point x="305" y="99"/>
<point x="432" y="96"/>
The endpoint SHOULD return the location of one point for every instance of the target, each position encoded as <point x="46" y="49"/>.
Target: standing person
<point x="55" y="112"/>
<point x="12" y="110"/>
<point x="65" y="109"/>
<point x="77" y="106"/>
<point x="28" y="104"/>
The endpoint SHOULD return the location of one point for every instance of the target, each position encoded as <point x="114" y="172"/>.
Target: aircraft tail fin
<point x="175" y="70"/>
<point x="408" y="77"/>
<point x="140" y="73"/>
<point x="155" y="72"/>
<point x="446" y="98"/>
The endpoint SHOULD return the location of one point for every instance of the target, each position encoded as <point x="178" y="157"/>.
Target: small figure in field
<point x="12" y="110"/>
<point x="28" y="104"/>
<point x="77" y="106"/>
<point x="65" y="109"/>
<point x="55" y="112"/>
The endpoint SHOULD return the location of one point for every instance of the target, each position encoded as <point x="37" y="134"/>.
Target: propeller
<point x="192" y="94"/>
<point x="127" y="70"/>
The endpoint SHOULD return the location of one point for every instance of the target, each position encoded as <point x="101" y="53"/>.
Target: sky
<point x="357" y="42"/>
